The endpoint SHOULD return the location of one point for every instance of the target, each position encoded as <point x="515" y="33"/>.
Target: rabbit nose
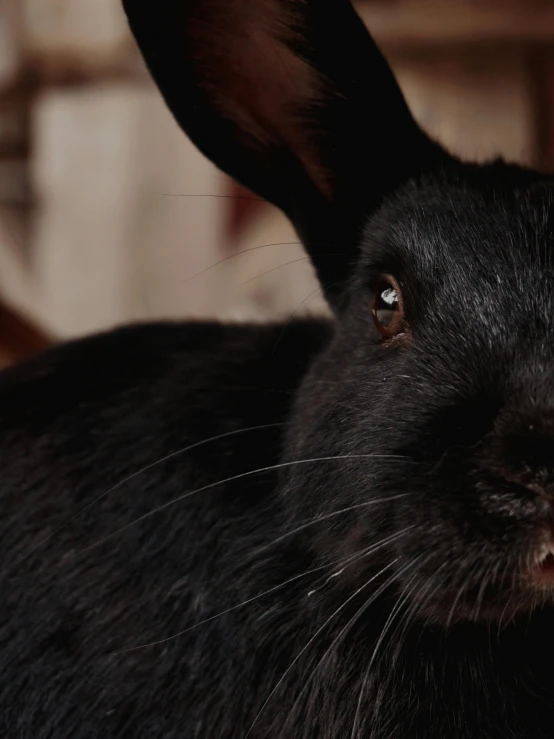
<point x="517" y="461"/>
<point x="523" y="442"/>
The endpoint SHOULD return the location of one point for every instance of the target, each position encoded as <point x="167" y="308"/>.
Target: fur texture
<point x="311" y="530"/>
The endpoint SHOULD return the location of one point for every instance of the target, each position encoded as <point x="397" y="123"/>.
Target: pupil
<point x="387" y="305"/>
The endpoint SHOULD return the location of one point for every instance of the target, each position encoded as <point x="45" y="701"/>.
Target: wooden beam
<point x="428" y="22"/>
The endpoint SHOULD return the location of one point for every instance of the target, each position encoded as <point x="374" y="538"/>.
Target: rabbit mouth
<point x="541" y="572"/>
<point x="520" y="592"/>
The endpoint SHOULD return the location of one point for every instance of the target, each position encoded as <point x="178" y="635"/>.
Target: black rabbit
<point x="341" y="530"/>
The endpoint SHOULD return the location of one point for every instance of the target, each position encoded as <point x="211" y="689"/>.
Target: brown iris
<point x="388" y="311"/>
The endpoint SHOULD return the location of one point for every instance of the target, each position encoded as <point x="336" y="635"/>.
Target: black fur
<point x="438" y="442"/>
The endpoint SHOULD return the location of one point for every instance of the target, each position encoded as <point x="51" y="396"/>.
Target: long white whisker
<point x="402" y="599"/>
<point x="480" y="595"/>
<point x="238" y="253"/>
<point x="311" y="641"/>
<point x="395" y="610"/>
<point x="240" y="476"/>
<point x="456" y="601"/>
<point x="140" y="472"/>
<point x="404" y="622"/>
<point x="344" y="561"/>
<point x="327" y="516"/>
<point x="273" y="269"/>
<point x="363" y="608"/>
<point x="365" y="680"/>
<point x="291" y="318"/>
<point x="465" y="583"/>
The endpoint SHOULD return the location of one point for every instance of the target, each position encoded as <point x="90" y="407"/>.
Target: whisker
<point x="365" y="681"/>
<point x="509" y="601"/>
<point x="211" y="195"/>
<point x="402" y="599"/>
<point x="480" y="595"/>
<point x="311" y="641"/>
<point x="344" y="561"/>
<point x="455" y="602"/>
<point x="448" y="450"/>
<point x="404" y="622"/>
<point x="285" y="264"/>
<point x="163" y="459"/>
<point x="233" y="478"/>
<point x="293" y="315"/>
<point x="338" y="639"/>
<point x="363" y="608"/>
<point x="400" y="603"/>
<point x="273" y="269"/>
<point x="298" y="307"/>
<point x="228" y="610"/>
<point x="238" y="253"/>
<point x="327" y="516"/>
<point x="463" y="586"/>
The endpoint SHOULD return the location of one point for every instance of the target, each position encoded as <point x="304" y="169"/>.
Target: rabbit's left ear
<point x="294" y="100"/>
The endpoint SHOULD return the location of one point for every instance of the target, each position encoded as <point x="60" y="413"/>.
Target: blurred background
<point x="109" y="215"/>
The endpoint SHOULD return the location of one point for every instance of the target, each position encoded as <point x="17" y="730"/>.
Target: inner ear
<point x="250" y="58"/>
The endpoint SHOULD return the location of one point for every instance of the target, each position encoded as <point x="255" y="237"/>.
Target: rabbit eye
<point x="388" y="313"/>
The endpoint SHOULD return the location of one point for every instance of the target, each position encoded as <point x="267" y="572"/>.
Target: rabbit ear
<point x="294" y="100"/>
